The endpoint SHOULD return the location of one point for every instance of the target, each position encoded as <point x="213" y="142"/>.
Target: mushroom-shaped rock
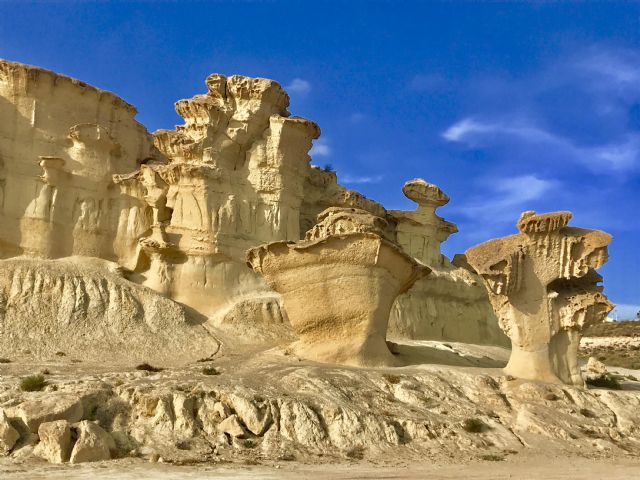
<point x="338" y="286"/>
<point x="424" y="193"/>
<point x="544" y="289"/>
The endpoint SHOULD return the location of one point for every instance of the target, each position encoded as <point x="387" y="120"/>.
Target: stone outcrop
<point x="544" y="289"/>
<point x="175" y="211"/>
<point x="338" y="285"/>
<point x="450" y="304"/>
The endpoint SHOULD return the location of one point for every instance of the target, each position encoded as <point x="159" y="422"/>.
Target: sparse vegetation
<point x="607" y="381"/>
<point x="210" y="371"/>
<point x="492" y="457"/>
<point x="249" y="443"/>
<point x="148" y="368"/>
<point x="328" y="168"/>
<point x="393" y="379"/>
<point x="357" y="453"/>
<point x="33" y="383"/>
<point x="5" y="360"/>
<point x="474" y="425"/>
<point x="60" y="354"/>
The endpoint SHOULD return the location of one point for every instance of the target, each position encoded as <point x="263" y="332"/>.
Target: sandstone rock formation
<point x="338" y="285"/>
<point x="450" y="304"/>
<point x="81" y="180"/>
<point x="543" y="286"/>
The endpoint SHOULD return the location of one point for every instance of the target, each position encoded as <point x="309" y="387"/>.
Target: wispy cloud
<point x="320" y="148"/>
<point x="299" y="86"/>
<point x="502" y="202"/>
<point x="609" y="158"/>
<point x="577" y="108"/>
<point x="353" y="180"/>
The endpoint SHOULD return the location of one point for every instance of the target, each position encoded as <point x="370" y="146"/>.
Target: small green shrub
<point x="210" y="371"/>
<point x="61" y="354"/>
<point x="5" y="360"/>
<point x="148" y="368"/>
<point x="474" y="425"/>
<point x="249" y="443"/>
<point x="33" y="383"/>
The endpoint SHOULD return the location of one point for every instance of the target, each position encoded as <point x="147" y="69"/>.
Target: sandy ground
<point x="532" y="467"/>
<point x="426" y="362"/>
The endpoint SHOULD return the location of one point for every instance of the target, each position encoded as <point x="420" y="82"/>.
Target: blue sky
<point x="506" y="107"/>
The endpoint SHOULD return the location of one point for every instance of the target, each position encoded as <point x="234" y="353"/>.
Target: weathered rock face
<point x="338" y="285"/>
<point x="61" y="140"/>
<point x="450" y="304"/>
<point x="235" y="180"/>
<point x="178" y="209"/>
<point x="543" y="286"/>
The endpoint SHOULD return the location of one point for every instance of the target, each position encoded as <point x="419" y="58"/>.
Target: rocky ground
<point x="272" y="415"/>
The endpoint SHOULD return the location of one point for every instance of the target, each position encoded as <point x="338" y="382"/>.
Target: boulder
<point x="93" y="444"/>
<point x="55" y="441"/>
<point x="48" y="409"/>
<point x="8" y="435"/>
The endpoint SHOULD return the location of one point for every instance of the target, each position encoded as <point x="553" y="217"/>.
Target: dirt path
<point x="533" y="467"/>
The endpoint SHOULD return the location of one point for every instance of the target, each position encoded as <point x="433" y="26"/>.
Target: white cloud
<point x="505" y="198"/>
<point x="320" y="148"/>
<point x="618" y="68"/>
<point x="610" y="158"/>
<point x="348" y="179"/>
<point x="625" y="312"/>
<point x="299" y="86"/>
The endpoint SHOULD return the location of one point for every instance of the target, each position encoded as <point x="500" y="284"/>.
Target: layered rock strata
<point x="544" y="289"/>
<point x="338" y="286"/>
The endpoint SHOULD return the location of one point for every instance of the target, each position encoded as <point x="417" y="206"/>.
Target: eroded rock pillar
<point x="544" y="289"/>
<point x="338" y="286"/>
